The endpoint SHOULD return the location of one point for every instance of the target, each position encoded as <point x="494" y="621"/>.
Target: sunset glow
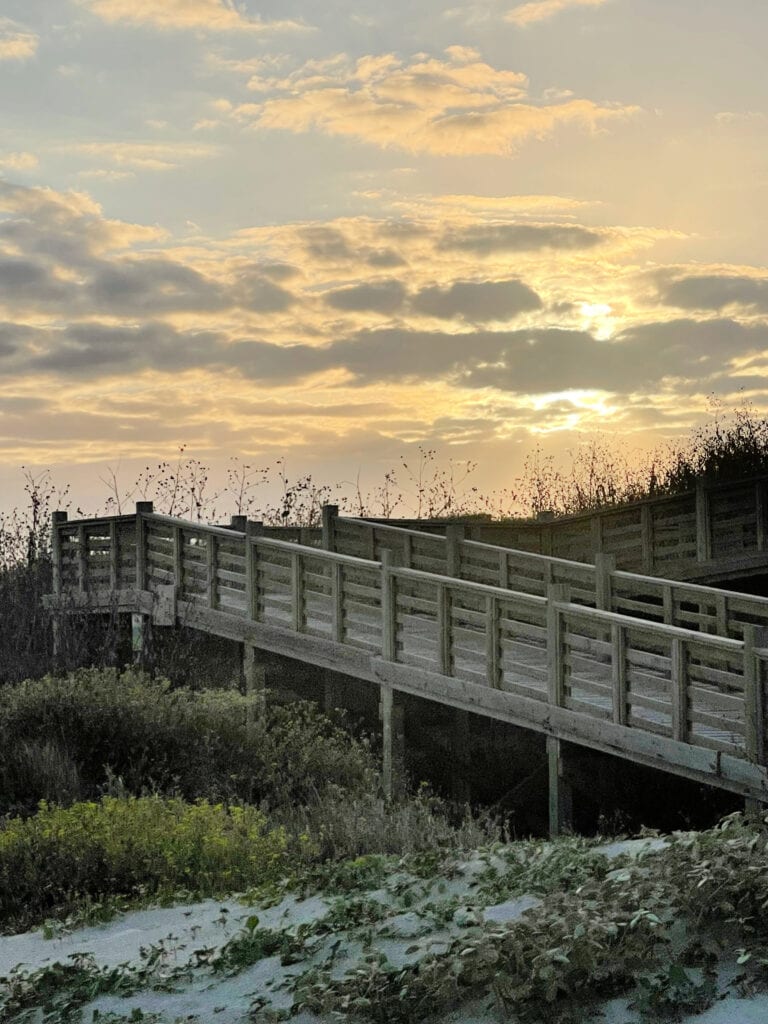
<point x="332" y="233"/>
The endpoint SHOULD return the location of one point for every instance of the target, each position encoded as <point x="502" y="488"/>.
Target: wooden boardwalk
<point x="660" y="672"/>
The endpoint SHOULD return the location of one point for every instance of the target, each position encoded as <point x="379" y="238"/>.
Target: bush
<point x="66" y="738"/>
<point x="129" y="846"/>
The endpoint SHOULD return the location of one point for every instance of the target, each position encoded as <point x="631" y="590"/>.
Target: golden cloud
<point x="210" y="15"/>
<point x="541" y="10"/>
<point x="19" y="161"/>
<point x="146" y="156"/>
<point x="16" y="42"/>
<point x="457" y="105"/>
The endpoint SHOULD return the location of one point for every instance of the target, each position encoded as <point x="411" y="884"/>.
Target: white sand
<point x="418" y="917"/>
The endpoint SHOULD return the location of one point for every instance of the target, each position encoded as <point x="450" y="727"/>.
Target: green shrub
<point x="129" y="846"/>
<point x="98" y="724"/>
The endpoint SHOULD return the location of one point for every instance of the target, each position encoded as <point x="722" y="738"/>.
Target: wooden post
<point x="211" y="544"/>
<point x="596" y="527"/>
<point x="114" y="557"/>
<point x="297" y="592"/>
<point x="386" y="700"/>
<point x="254" y="678"/>
<point x="57" y="520"/>
<point x="557" y="593"/>
<point x="329" y="515"/>
<point x="721" y="615"/>
<point x="755" y="643"/>
<point x="492" y="642"/>
<point x="462" y="756"/>
<point x="252" y="531"/>
<point x="703" y="524"/>
<point x="454" y="535"/>
<point x="142" y="508"/>
<point x="560" y="793"/>
<point x="138" y="637"/>
<point x="82" y="559"/>
<point x="238" y="523"/>
<point x="178" y="560"/>
<point x="678" y="683"/>
<point x="668" y="604"/>
<point x="646" y="536"/>
<point x="444" y="647"/>
<point x="619" y="673"/>
<point x="337" y="602"/>
<point x="605" y="565"/>
<point x="388" y="608"/>
<point x="504" y="570"/>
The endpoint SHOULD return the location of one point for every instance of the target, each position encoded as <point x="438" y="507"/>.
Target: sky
<point x="333" y="233"/>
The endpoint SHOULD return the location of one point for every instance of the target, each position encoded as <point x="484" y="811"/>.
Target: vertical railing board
<point x="754" y="694"/>
<point x="337" y="601"/>
<point x="678" y="683"/>
<point x="297" y="592"/>
<point x="210" y="558"/>
<point x="388" y="608"/>
<point x="444" y="629"/>
<point x="703" y="524"/>
<point x="493" y="642"/>
<point x="114" y="557"/>
<point x="142" y="508"/>
<point x="646" y="537"/>
<point x="619" y="672"/>
<point x="555" y="655"/>
<point x="82" y="560"/>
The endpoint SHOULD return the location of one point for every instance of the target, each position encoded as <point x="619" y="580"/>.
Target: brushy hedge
<point x="66" y="739"/>
<point x="129" y="846"/>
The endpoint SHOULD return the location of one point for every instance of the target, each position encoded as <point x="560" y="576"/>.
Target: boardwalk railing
<point x="672" y="602"/>
<point x="705" y="534"/>
<point x="648" y="691"/>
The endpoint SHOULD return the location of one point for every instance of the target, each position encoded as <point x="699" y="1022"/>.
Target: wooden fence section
<point x="707" y="535"/>
<point x="672" y="602"/>
<point x="681" y="699"/>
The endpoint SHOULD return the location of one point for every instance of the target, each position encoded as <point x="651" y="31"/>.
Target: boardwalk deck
<point x="655" y="671"/>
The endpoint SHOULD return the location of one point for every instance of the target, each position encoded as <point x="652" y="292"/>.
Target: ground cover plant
<point x="668" y="927"/>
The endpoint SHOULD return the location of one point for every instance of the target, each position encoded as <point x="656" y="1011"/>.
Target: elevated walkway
<point x="660" y="672"/>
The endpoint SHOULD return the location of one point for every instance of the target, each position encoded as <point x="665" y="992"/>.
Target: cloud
<point x="541" y="10"/>
<point x="491" y="238"/>
<point x="65" y="226"/>
<point x="454" y="105"/>
<point x="146" y="156"/>
<point x="16" y="42"/>
<point x="375" y="296"/>
<point x="199" y="15"/>
<point x="477" y="301"/>
<point x="715" y="291"/>
<point x="19" y="161"/>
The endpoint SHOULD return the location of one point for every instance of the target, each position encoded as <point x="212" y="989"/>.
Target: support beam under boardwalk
<point x="560" y="794"/>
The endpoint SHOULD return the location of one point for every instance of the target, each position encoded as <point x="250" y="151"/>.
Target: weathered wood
<point x="492" y="642"/>
<point x="254" y="677"/>
<point x="388" y="608"/>
<point x="454" y="535"/>
<point x="57" y="520"/>
<point x="143" y="508"/>
<point x="678" y="683"/>
<point x="386" y="699"/>
<point x="560" y="795"/>
<point x="605" y="566"/>
<point x="329" y="515"/>
<point x="555" y="665"/>
<point x="703" y="524"/>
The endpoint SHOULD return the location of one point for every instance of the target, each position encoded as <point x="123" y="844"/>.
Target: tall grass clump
<point x="66" y="738"/>
<point x="129" y="846"/>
